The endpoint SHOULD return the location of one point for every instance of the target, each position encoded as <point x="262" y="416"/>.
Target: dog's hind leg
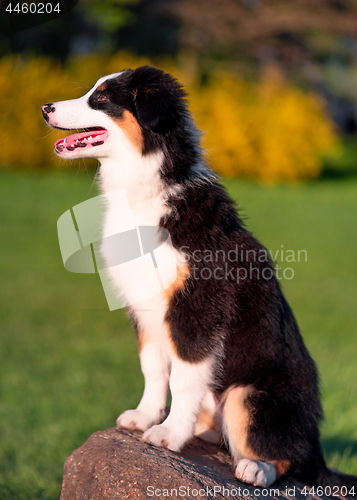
<point x="237" y="417"/>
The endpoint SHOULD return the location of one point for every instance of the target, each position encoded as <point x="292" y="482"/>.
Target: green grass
<point x="68" y="366"/>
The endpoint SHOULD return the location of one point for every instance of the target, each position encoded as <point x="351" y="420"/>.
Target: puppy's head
<point x="131" y="110"/>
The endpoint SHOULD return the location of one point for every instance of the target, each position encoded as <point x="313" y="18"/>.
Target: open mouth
<point x="89" y="138"/>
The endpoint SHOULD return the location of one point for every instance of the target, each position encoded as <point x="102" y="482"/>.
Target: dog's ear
<point x="157" y="99"/>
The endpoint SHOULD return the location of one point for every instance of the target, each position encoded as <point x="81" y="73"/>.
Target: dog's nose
<point x="46" y="109"/>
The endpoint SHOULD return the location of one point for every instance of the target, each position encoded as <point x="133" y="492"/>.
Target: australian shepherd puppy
<point x="221" y="337"/>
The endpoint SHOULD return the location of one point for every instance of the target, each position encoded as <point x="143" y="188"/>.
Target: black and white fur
<point x="230" y="352"/>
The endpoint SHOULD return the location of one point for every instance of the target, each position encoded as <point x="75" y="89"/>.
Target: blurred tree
<point x="107" y="17"/>
<point x="109" y="14"/>
<point x="285" y="29"/>
<point x="312" y="41"/>
<point x="142" y="26"/>
<point x="90" y="26"/>
<point x="155" y="32"/>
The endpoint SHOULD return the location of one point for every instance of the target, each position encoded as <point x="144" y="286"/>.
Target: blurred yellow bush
<point x="268" y="129"/>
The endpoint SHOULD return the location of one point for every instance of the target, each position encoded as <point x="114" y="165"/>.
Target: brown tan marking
<point x="102" y="87"/>
<point x="207" y="419"/>
<point x="207" y="429"/>
<point x="282" y="467"/>
<point x="182" y="274"/>
<point x="209" y="422"/>
<point x="131" y="128"/>
<point x="236" y="419"/>
<point x="143" y="339"/>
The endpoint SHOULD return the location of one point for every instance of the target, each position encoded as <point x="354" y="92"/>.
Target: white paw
<point x="136" y="420"/>
<point x="256" y="472"/>
<point x="160" y="435"/>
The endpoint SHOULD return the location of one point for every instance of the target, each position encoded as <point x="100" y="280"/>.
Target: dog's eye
<point x="102" y="98"/>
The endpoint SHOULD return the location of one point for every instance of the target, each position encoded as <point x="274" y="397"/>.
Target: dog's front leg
<point x="188" y="384"/>
<point x="152" y="407"/>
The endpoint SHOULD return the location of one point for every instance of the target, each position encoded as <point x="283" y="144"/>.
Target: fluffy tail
<point x="338" y="483"/>
<point x="315" y="473"/>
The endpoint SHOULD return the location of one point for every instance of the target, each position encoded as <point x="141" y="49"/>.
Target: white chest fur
<point x="141" y="282"/>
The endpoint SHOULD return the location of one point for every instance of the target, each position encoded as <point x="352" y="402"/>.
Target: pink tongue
<point x="81" y="140"/>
